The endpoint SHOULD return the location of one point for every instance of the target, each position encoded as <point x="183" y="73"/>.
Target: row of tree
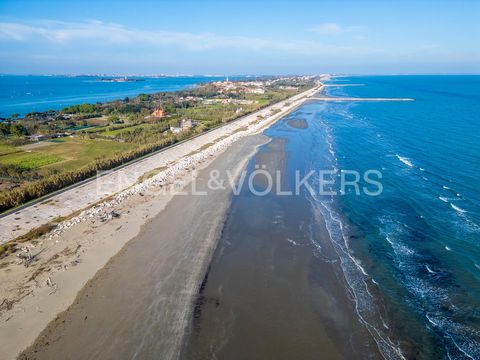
<point x="12" y="128"/>
<point x="36" y="189"/>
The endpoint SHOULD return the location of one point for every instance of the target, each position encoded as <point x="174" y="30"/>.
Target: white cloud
<point x="334" y="29"/>
<point x="108" y="33"/>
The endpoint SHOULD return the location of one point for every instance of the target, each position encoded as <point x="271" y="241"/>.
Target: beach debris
<point x="52" y="285"/>
<point x="109" y="216"/>
<point x="6" y="305"/>
<point x="26" y="256"/>
<point x="75" y="262"/>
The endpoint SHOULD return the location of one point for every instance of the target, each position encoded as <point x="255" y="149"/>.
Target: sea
<point x="408" y="255"/>
<point x="21" y="94"/>
<point x="419" y="240"/>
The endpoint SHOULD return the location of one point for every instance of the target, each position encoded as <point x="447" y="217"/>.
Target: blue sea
<point x="23" y="94"/>
<point x="416" y="247"/>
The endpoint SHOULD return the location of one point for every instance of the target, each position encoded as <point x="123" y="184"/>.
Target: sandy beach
<point x="139" y="304"/>
<point x="67" y="258"/>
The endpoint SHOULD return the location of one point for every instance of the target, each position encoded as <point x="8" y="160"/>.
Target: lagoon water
<point x="23" y="94"/>
<point x="408" y="259"/>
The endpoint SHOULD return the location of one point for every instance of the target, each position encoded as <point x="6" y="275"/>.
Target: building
<point x="39" y="137"/>
<point x="185" y="125"/>
<point x="254" y="90"/>
<point x="175" y="129"/>
<point x="188" y="124"/>
<point x="159" y="113"/>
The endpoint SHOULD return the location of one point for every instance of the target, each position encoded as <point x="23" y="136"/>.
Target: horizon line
<point x="246" y="74"/>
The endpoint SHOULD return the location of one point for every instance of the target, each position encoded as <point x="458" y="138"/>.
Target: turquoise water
<point x="417" y="244"/>
<point x="23" y="94"/>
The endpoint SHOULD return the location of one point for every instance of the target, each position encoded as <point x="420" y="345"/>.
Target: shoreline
<point x="275" y="287"/>
<point x="73" y="253"/>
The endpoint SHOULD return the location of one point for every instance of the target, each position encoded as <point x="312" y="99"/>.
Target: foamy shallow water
<point x="420" y="238"/>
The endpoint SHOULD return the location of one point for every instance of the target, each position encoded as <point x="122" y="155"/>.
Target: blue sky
<point x="239" y="37"/>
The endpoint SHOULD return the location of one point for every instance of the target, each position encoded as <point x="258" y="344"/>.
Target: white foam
<point x="463" y="351"/>
<point x="430" y="270"/>
<point x="431" y="321"/>
<point x="404" y="160"/>
<point x="448" y="248"/>
<point x="444" y="199"/>
<point x="456" y="208"/>
<point x="388" y="239"/>
<point x="446" y="187"/>
<point x="356" y="277"/>
<point x="293" y="242"/>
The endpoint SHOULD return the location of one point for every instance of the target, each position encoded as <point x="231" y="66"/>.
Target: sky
<point x="239" y="37"/>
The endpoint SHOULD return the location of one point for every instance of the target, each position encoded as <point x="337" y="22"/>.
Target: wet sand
<point x="270" y="293"/>
<point x="138" y="305"/>
<point x="298" y="123"/>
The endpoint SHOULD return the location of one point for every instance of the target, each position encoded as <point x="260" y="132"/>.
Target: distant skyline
<point x="247" y="37"/>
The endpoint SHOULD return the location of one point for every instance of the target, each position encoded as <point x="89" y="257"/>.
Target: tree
<point x="18" y="130"/>
<point x="113" y="118"/>
<point x="143" y="97"/>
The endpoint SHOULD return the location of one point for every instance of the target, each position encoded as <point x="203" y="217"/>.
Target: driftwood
<point x="26" y="256"/>
<point x="110" y="216"/>
<point x="52" y="285"/>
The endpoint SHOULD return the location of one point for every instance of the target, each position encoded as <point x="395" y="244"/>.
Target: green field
<point x="70" y="154"/>
<point x="29" y="160"/>
<point x="116" y="132"/>
<point x="78" y="152"/>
